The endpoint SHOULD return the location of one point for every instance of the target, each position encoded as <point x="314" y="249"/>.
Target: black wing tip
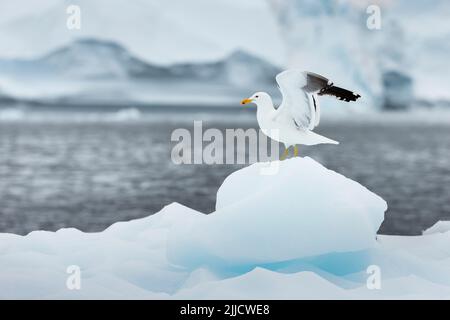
<point x="340" y="93"/>
<point x="356" y="97"/>
<point x="353" y="98"/>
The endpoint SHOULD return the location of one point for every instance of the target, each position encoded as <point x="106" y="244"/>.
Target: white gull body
<point x="299" y="113"/>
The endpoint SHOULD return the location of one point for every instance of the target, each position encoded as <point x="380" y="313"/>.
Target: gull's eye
<point x="256" y="96"/>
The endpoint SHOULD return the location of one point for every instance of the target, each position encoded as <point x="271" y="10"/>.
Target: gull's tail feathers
<point x="340" y="93"/>
<point x="313" y="138"/>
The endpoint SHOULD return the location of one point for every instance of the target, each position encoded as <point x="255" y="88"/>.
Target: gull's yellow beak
<point x="246" y="101"/>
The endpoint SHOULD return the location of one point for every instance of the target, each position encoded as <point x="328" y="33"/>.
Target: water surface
<point x="90" y="174"/>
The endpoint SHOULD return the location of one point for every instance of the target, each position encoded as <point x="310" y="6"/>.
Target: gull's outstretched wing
<point x="317" y="84"/>
<point x="299" y="89"/>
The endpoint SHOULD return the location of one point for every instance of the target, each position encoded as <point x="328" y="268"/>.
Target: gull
<point x="299" y="112"/>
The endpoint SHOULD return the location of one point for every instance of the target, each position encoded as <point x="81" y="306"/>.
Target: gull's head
<point x="257" y="98"/>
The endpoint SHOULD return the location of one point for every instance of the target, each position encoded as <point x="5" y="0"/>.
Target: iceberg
<point x="303" y="210"/>
<point x="303" y="232"/>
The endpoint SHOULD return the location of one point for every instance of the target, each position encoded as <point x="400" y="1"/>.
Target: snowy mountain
<point x="238" y="69"/>
<point x="82" y="59"/>
<point x="93" y="71"/>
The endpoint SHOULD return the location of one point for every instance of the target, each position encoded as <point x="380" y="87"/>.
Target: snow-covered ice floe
<point x="305" y="232"/>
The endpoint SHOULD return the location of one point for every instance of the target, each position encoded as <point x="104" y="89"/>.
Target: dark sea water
<point x="91" y="173"/>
